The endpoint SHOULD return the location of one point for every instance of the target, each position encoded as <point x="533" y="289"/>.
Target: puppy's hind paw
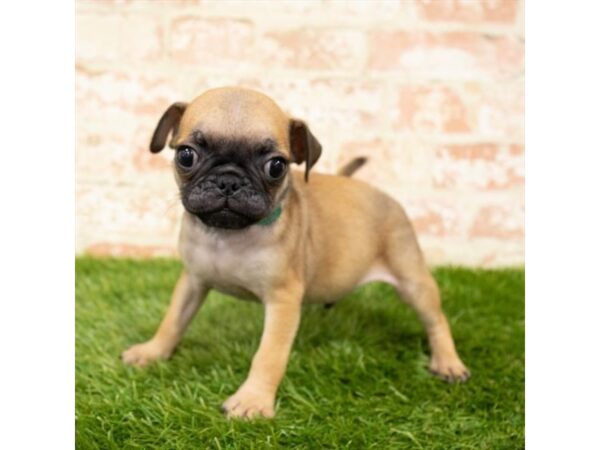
<point x="450" y="370"/>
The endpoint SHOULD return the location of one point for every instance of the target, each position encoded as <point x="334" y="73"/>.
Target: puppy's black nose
<point x="229" y="184"/>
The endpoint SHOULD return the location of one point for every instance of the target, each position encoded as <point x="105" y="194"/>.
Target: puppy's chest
<point x="240" y="267"/>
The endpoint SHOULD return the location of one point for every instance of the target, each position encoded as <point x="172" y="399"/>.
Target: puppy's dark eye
<point x="275" y="168"/>
<point x="186" y="157"/>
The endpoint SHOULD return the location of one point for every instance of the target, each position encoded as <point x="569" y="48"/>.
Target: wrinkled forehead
<point x="236" y="116"/>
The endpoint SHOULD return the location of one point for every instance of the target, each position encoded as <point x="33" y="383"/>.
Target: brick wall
<point x="432" y="91"/>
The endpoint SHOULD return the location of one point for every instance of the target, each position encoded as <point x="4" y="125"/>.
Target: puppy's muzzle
<point x="225" y="200"/>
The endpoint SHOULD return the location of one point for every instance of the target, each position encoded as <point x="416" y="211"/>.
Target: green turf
<point x="357" y="375"/>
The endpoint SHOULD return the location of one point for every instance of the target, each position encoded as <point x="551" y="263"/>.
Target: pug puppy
<point x="255" y="229"/>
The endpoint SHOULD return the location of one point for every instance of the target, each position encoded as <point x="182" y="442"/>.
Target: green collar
<point x="271" y="218"/>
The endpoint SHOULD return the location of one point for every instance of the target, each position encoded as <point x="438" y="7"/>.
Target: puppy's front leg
<point x="256" y="396"/>
<point x="187" y="297"/>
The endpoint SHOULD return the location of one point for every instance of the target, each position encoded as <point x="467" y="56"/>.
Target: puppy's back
<point x="348" y="222"/>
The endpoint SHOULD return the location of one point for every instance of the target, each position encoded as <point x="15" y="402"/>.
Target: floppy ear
<point x="303" y="145"/>
<point x="168" y="123"/>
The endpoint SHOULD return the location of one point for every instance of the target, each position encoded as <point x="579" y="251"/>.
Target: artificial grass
<point x="357" y="375"/>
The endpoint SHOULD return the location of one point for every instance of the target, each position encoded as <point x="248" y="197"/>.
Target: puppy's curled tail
<point x="349" y="168"/>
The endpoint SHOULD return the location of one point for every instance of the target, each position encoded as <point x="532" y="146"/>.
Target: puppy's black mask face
<point x="229" y="183"/>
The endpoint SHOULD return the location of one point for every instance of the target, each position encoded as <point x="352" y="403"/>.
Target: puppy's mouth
<point x="223" y="214"/>
<point x="225" y="218"/>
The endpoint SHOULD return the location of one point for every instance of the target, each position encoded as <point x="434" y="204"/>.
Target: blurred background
<point x="432" y="91"/>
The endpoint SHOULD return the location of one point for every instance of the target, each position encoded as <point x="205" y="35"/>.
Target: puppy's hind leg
<point x="417" y="287"/>
<point x="422" y="294"/>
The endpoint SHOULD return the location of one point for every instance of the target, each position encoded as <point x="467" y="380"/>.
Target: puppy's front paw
<point x="451" y="370"/>
<point x="143" y="354"/>
<point x="249" y="403"/>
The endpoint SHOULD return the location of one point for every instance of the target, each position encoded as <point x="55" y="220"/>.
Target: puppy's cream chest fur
<point x="235" y="263"/>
